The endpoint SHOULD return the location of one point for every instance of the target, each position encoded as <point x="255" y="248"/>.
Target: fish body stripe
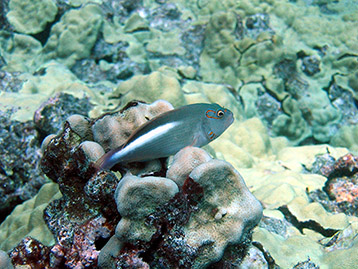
<point x="146" y="138"/>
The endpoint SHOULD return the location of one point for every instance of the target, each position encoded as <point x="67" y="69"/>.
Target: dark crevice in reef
<point x="101" y="242"/>
<point x="310" y="224"/>
<point x="269" y="259"/>
<point x="44" y="35"/>
<point x="156" y="242"/>
<point x="346" y="55"/>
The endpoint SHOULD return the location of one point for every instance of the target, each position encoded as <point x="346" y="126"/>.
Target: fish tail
<point x="106" y="162"/>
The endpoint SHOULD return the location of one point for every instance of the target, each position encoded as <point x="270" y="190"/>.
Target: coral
<point x="303" y="219"/>
<point x="292" y="124"/>
<point x="108" y="62"/>
<point x="306" y="211"/>
<point x="27" y="219"/>
<point x="136" y="199"/>
<point x="343" y="99"/>
<point x="340" y="246"/>
<point x="73" y="37"/>
<point x="219" y="51"/>
<point x="30" y="252"/>
<point x="310" y="65"/>
<point x="247" y="141"/>
<point x="236" y="44"/>
<point x="184" y="162"/>
<point x="212" y="210"/>
<point x="166" y="43"/>
<point x="20" y="52"/>
<point x="227" y="206"/>
<point x="84" y="217"/>
<point x="4" y="24"/>
<point x="151" y="87"/>
<point x="291" y="64"/>
<point x="253" y="258"/>
<point x="346" y="137"/>
<point x="306" y="264"/>
<point x="83" y="210"/>
<point x="31" y="17"/>
<point x="43" y="85"/>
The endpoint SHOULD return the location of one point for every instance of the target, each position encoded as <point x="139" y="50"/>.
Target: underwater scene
<point x="179" y="134"/>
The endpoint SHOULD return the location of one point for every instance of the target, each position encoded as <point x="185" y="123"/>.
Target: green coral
<point x="20" y="52"/>
<point x="114" y="32"/>
<point x="135" y="23"/>
<point x="291" y="124"/>
<point x="27" y="219"/>
<point x="31" y="16"/>
<point x="73" y="37"/>
<point x="165" y="43"/>
<point x="347" y="137"/>
<point x="151" y="87"/>
<point x="220" y="55"/>
<point x="230" y="58"/>
<point x="323" y="123"/>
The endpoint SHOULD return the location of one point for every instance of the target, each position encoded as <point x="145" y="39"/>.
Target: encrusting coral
<point x="185" y="216"/>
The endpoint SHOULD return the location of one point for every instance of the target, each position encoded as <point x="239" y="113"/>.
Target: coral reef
<point x="189" y="224"/>
<point x="239" y="45"/>
<point x="286" y="69"/>
<point x="301" y="217"/>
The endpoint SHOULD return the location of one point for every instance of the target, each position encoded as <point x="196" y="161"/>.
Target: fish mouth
<point x="230" y="119"/>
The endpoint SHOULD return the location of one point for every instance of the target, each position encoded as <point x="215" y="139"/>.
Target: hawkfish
<point x="191" y="125"/>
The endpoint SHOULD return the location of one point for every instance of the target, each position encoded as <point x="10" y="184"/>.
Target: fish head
<point x="217" y="120"/>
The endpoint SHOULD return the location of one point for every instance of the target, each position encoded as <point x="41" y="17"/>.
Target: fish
<point x="191" y="125"/>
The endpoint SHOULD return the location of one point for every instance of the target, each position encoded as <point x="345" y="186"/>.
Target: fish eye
<point x="220" y="113"/>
